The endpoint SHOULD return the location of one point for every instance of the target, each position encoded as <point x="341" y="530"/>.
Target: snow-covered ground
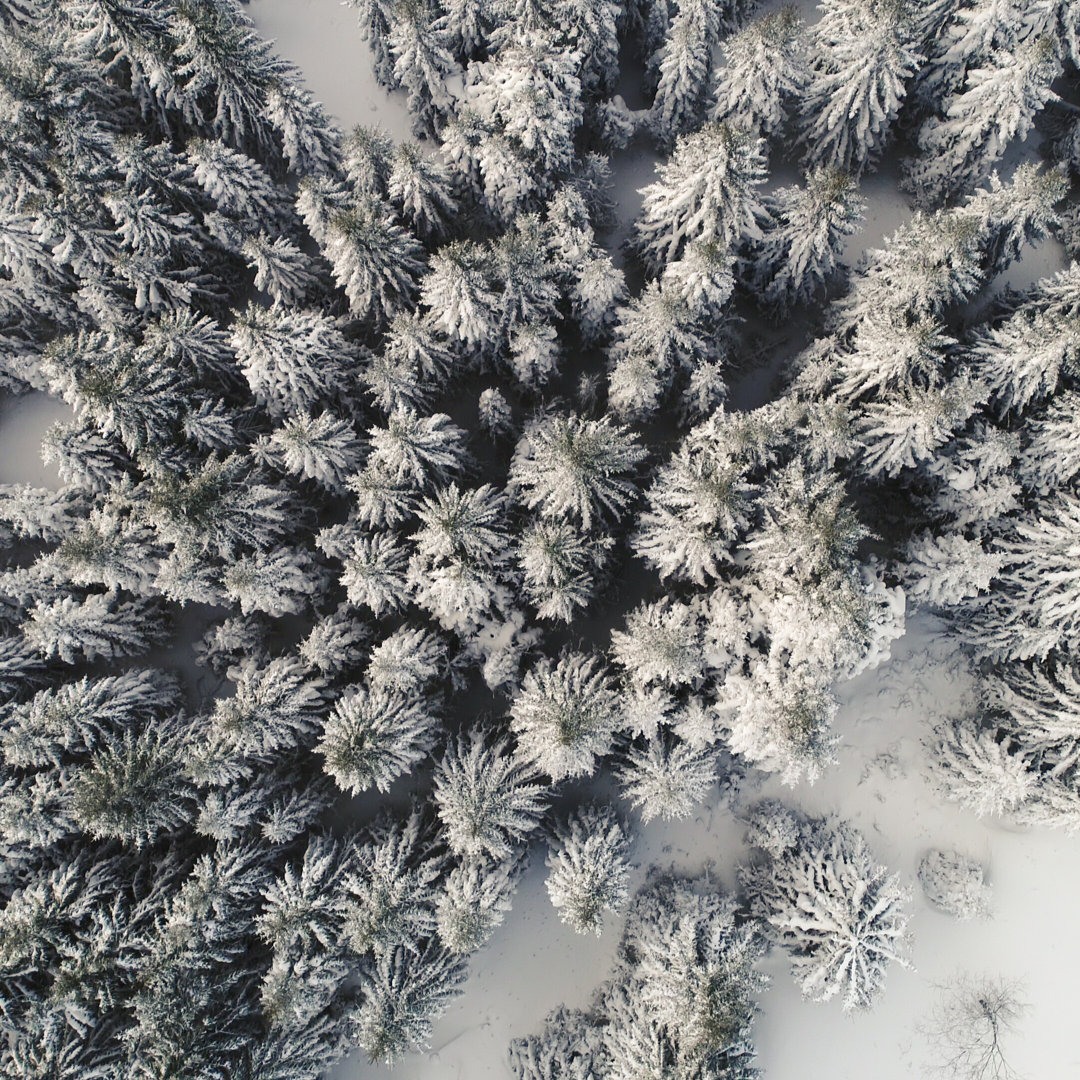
<point x="535" y="963"/>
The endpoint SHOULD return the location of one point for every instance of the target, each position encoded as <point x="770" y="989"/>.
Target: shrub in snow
<point x="772" y="827"/>
<point x="954" y="883"/>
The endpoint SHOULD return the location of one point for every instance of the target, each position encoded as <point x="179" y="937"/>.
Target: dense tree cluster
<point x="397" y="432"/>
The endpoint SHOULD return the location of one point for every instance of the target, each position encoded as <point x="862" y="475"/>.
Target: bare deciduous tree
<point x="974" y="1014"/>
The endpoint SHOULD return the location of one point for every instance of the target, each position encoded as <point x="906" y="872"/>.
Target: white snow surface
<point x="23" y="422"/>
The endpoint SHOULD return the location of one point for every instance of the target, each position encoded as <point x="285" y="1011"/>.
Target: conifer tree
<point x="705" y="192"/>
<point x="565" y="715"/>
<point x="402" y="996"/>
<point x="667" y="778"/>
<point x="866" y="53"/>
<point x="764" y="71"/>
<point x="588" y="868"/>
<point x="389" y="890"/>
<point x="373" y="736"/>
<point x="999" y="102"/>
<point x="422" y="62"/>
<point x="99" y="625"/>
<point x="565" y="465"/>
<point x="374" y="259"/>
<point x="487" y="798"/>
<point x="474" y="902"/>
<point x="798" y="256"/>
<point x="836" y="910"/>
<point x="422" y="190"/>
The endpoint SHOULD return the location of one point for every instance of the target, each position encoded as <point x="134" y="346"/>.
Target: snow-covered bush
<point x="954" y="883"/>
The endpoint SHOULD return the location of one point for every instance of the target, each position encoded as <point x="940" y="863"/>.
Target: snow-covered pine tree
<point x="661" y="333"/>
<point x="667" y="778"/>
<point x="865" y="54"/>
<point x="133" y="789"/>
<point x="375" y="17"/>
<point x="558" y="566"/>
<point x="294" y="360"/>
<point x="458" y="292"/>
<point x="389" y="891"/>
<point x="807" y="229"/>
<point x="998" y="103"/>
<point x="566" y="465"/>
<point x="402" y="995"/>
<point x="99" y="625"/>
<point x="322" y="448"/>
<point x="422" y="190"/>
<point x="838" y="912"/>
<point x="685" y="63"/>
<point x="373" y="736"/>
<point x="528" y="95"/>
<point x="374" y="259"/>
<point x="487" y="797"/>
<point x="764" y="72"/>
<point x="418" y="44"/>
<point x="588" y="868"/>
<point x="590" y="28"/>
<point x="474" y="901"/>
<point x="706" y="191"/>
<point x="565" y="715"/>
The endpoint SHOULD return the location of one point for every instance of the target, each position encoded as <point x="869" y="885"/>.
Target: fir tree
<point x="565" y="716"/>
<point x="589" y="871"/>
<point x="486" y="797"/>
<point x="373" y="736"/>
<point x="293" y="360"/>
<point x="402" y="995"/>
<point x="565" y="465"/>
<point x="705" y="192"/>
<point x="422" y="62"/>
<point x="798" y="256"/>
<point x="684" y="66"/>
<point x="133" y="788"/>
<point x="374" y="259"/>
<point x="765" y="69"/>
<point x="422" y="190"/>
<point x="99" y="625"/>
<point x="474" y="902"/>
<point x="389" y="891"/>
<point x="835" y="910"/>
<point x="667" y="778"/>
<point x="866" y="52"/>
